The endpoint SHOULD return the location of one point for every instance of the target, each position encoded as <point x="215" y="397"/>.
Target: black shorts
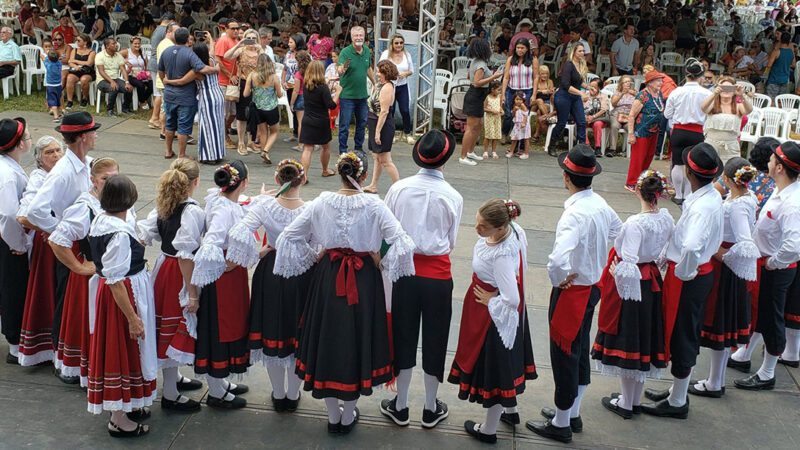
<point x="473" y="101"/>
<point x="680" y="140"/>
<point x="271" y="117"/>
<point x="387" y="133"/>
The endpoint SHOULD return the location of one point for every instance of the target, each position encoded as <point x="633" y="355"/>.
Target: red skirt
<point x="116" y="382"/>
<point x="72" y="355"/>
<point x="36" y="338"/>
<point x="169" y="313"/>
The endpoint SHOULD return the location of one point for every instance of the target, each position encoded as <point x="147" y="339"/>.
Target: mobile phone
<point x="200" y="35"/>
<point x="728" y="88"/>
<point x="248" y="41"/>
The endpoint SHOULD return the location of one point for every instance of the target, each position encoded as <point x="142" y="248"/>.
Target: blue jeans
<point x="569" y="105"/>
<point x="179" y="118"/>
<point x="508" y="123"/>
<point x="402" y="101"/>
<point x="348" y="107"/>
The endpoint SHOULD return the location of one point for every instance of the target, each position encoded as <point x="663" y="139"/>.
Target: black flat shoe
<point x="334" y="428"/>
<point x="788" y="363"/>
<point x="221" y="403"/>
<point x="664" y="409"/>
<point x="705" y="392"/>
<point x="575" y="423"/>
<point x="239" y="389"/>
<point x="278" y="403"/>
<point x="67" y="380"/>
<point x="656" y="395"/>
<point x="11" y="359"/>
<point x="118" y="432"/>
<point x="510" y="419"/>
<point x="616" y="409"/>
<point x="754" y="383"/>
<point x="191" y="385"/>
<point x="139" y="414"/>
<point x="637" y="409"/>
<point x="176" y="405"/>
<point x="345" y="429"/>
<point x="473" y="429"/>
<point x="741" y="366"/>
<point x="291" y="405"/>
<point x="547" y="430"/>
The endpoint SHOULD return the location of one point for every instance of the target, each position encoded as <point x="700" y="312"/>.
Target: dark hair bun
<point x="222" y="177"/>
<point x="651" y="188"/>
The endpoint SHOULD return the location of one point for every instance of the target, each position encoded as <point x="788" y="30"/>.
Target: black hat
<point x="580" y="161"/>
<point x="434" y="148"/>
<point x="77" y="122"/>
<point x="694" y="67"/>
<point x="703" y="161"/>
<point x="788" y="153"/>
<point x="11" y="131"/>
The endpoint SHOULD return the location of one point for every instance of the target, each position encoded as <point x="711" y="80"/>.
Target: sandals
<point x="169" y="155"/>
<point x="153" y="126"/>
<point x="328" y="173"/>
<point x="117" y="432"/>
<point x="265" y="157"/>
<point x="509" y="154"/>
<point x="370" y="190"/>
<point x="494" y="155"/>
<point x="485" y="155"/>
<point x="242" y="150"/>
<point x="524" y="156"/>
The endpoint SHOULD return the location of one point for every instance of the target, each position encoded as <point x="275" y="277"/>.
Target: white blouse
<point x="75" y="223"/>
<point x="405" y="65"/>
<point x="264" y="211"/>
<point x="740" y="221"/>
<point x="221" y="215"/>
<point x="358" y="222"/>
<point x="642" y="240"/>
<point x="189" y="235"/>
<point x="499" y="266"/>
<point x="13" y="180"/>
<point x="34" y="183"/>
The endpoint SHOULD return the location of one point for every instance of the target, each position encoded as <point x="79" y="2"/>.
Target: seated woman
<point x="81" y="69"/>
<point x="543" y="103"/>
<point x="621" y="103"/>
<point x="595" y="107"/>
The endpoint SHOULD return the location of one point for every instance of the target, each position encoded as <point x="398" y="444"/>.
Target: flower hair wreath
<point x="352" y="157"/>
<point x="667" y="187"/>
<point x="748" y="169"/>
<point x="235" y="178"/>
<point x="291" y="162"/>
<point x="513" y="209"/>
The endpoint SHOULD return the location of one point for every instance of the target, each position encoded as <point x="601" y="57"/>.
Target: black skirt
<point x="344" y="349"/>
<point x="473" y="101"/>
<point x="792" y="309"/>
<point x="387" y="133"/>
<point x="315" y="131"/>
<point x="727" y="320"/>
<point x="13" y="286"/>
<point x="276" y="305"/>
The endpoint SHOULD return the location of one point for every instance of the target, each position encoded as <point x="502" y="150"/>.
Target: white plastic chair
<point x="761" y="101"/>
<point x="440" y="96"/>
<point x="773" y="123"/>
<point x="749" y="134"/>
<point x="284" y="101"/>
<point x="591" y="77"/>
<point x="552" y="62"/>
<point x="671" y="63"/>
<point x="31" y="65"/>
<point x="459" y="66"/>
<point x="124" y="41"/>
<point x="444" y="73"/>
<point x="99" y="100"/>
<point x="613" y="80"/>
<point x="748" y="87"/>
<point x="11" y="83"/>
<point x="604" y="65"/>
<point x="571" y="131"/>
<point x="788" y="102"/>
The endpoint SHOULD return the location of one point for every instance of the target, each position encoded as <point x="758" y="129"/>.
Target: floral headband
<point x="235" y="178"/>
<point x="291" y="162"/>
<point x="744" y="170"/>
<point x="666" y="190"/>
<point x="513" y="209"/>
<point x="352" y="157"/>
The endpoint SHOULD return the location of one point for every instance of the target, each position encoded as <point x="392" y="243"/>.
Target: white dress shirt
<point x="740" y="221"/>
<point x="583" y="237"/>
<point x="698" y="233"/>
<point x="13" y="180"/>
<point x="683" y="104"/>
<point x="35" y="181"/>
<point x="63" y="185"/>
<point x="642" y="240"/>
<point x="777" y="233"/>
<point x="429" y="210"/>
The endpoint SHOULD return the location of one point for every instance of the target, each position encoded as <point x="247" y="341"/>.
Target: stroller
<point x="456" y="119"/>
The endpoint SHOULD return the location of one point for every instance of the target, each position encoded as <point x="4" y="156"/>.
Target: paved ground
<point x="37" y="411"/>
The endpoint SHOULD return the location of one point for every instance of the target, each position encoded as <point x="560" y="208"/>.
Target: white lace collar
<point x="339" y="201"/>
<point x="104" y="224"/>
<point x="510" y="246"/>
<point x="279" y="211"/>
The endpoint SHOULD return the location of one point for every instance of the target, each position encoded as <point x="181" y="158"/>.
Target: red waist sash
<point x="436" y="267"/>
<point x="611" y="302"/>
<point x="346" y="277"/>
<point x="671" y="299"/>
<point x="568" y="316"/>
<point x="711" y="301"/>
<point x="696" y="127"/>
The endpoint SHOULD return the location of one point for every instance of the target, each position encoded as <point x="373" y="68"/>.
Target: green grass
<point x="37" y="102"/>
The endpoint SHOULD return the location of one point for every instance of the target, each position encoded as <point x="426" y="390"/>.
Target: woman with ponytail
<point x="178" y="223"/>
<point x="276" y="302"/>
<point x="727" y="313"/>
<point x="630" y="339"/>
<point x="494" y="355"/>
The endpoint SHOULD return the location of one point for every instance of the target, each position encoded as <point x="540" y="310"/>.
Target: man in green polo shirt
<point x="355" y="65"/>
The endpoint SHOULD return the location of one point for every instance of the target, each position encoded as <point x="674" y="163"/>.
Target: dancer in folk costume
<point x="122" y="351"/>
<point x="630" y="336"/>
<point x="689" y="279"/>
<point x="70" y="244"/>
<point x="178" y="223"/>
<point x="276" y="303"/>
<point x="429" y="209"/>
<point x="727" y="314"/>
<point x="344" y="343"/>
<point x="583" y="234"/>
<point x="14" y="243"/>
<point x="46" y="152"/>
<point x="494" y="357"/>
<point x="221" y="320"/>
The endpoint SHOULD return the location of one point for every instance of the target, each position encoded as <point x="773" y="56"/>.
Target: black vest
<point x="83" y="244"/>
<point x="99" y="244"/>
<point x="168" y="228"/>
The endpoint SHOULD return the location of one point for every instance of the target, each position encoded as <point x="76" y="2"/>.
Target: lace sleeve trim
<point x="506" y="320"/>
<point x="399" y="260"/>
<point x="209" y="265"/>
<point x="628" y="277"/>
<point x="742" y="260"/>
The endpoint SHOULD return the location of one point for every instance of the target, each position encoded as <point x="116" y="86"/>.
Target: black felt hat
<point x="703" y="160"/>
<point x="434" y="148"/>
<point x="11" y="131"/>
<point x="77" y="122"/>
<point x="788" y="153"/>
<point x="580" y="161"/>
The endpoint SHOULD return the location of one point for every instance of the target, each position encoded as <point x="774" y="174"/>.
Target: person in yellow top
<point x="167" y="42"/>
<point x="112" y="76"/>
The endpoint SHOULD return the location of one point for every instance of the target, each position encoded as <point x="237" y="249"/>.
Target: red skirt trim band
<point x="487" y="394"/>
<point x="436" y="267"/>
<point x="272" y="343"/>
<point x="724" y="337"/>
<point x="631" y="356"/>
<point x="339" y="386"/>
<point x="239" y="361"/>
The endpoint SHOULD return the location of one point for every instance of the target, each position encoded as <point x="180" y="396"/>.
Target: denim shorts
<point x="179" y="118"/>
<point x="53" y="96"/>
<point x="299" y="103"/>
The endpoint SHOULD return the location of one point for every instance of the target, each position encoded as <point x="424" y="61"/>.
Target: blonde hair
<point x="622" y="81"/>
<point x="314" y="75"/>
<point x="265" y="69"/>
<point x="717" y="108"/>
<point x="174" y="186"/>
<point x="581" y="66"/>
<point x="543" y="68"/>
<point x="102" y="165"/>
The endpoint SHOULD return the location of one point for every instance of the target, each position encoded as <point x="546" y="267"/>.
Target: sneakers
<point x="290" y="139"/>
<point x="69" y="105"/>
<point x="84" y="103"/>
<point x="191" y="141"/>
<point x="474" y="156"/>
<point x="410" y="139"/>
<point x="467" y="161"/>
<point x="389" y="409"/>
<point x="432" y="418"/>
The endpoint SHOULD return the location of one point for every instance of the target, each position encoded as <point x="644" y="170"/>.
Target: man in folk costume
<point x="583" y="236"/>
<point x="777" y="236"/>
<point x="429" y="209"/>
<point x="690" y="279"/>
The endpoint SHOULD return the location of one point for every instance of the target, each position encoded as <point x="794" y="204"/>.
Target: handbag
<point x="232" y="93"/>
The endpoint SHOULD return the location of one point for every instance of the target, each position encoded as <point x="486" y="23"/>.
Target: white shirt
<point x="13" y="180"/>
<point x="34" y="183"/>
<point x="583" y="234"/>
<point x="683" y="104"/>
<point x="698" y="233"/>
<point x="63" y="185"/>
<point x="187" y="238"/>
<point x="740" y="221"/>
<point x="641" y="240"/>
<point x="405" y="65"/>
<point x="221" y="215"/>
<point x="76" y="222"/>
<point x="777" y="232"/>
<point x="429" y="210"/>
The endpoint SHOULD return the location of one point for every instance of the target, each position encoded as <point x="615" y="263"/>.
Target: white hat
<point x="525" y="22"/>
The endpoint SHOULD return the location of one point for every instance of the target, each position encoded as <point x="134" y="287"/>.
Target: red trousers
<point x="597" y="127"/>
<point x="642" y="153"/>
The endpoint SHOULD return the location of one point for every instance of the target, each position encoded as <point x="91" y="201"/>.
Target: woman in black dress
<point x="316" y="126"/>
<point x="380" y="123"/>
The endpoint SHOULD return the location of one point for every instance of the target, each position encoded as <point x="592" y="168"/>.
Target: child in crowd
<point x="544" y="98"/>
<point x="522" y="127"/>
<point x="492" y="119"/>
<point x="52" y="84"/>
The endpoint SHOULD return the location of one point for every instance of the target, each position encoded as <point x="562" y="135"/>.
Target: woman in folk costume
<point x="276" y="303"/>
<point x="494" y="355"/>
<point x="178" y="223"/>
<point x="14" y="244"/>
<point x="224" y="301"/>
<point x="344" y="342"/>
<point x="70" y="244"/>
<point x="122" y="351"/>
<point x="46" y="152"/>
<point x="727" y="314"/>
<point x="630" y="337"/>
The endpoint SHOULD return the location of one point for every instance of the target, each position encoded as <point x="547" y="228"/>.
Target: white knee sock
<point x="767" y="370"/>
<point x="637" y="393"/>
<point x="745" y="353"/>
<point x="431" y="389"/>
<point x="575" y="411"/>
<point x="14" y="350"/>
<point x="492" y="419"/>
<point x="216" y="388"/>
<point x="277" y="376"/>
<point x="679" y="182"/>
<point x="561" y="419"/>
<point x="169" y="390"/>
<point x="792" y="351"/>
<point x="294" y="382"/>
<point x="719" y="359"/>
<point x="348" y="413"/>
<point x="677" y="395"/>
<point x="628" y="393"/>
<point x="334" y="413"/>
<point x="403" y="385"/>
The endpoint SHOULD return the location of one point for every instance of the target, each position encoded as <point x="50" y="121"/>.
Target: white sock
<point x="512" y="410"/>
<point x="492" y="419"/>
<point x="431" y="389"/>
<point x="719" y="359"/>
<point x="677" y="395"/>
<point x="403" y="385"/>
<point x="348" y="413"/>
<point x="637" y="393"/>
<point x="561" y="419"/>
<point x="575" y="411"/>
<point x="229" y="386"/>
<point x="792" y="350"/>
<point x="767" y="370"/>
<point x="216" y="387"/>
<point x="294" y="382"/>
<point x="277" y="376"/>
<point x="628" y="388"/>
<point x="334" y="413"/>
<point x="169" y="390"/>
<point x="745" y="353"/>
<point x="14" y="350"/>
<point x="679" y="182"/>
